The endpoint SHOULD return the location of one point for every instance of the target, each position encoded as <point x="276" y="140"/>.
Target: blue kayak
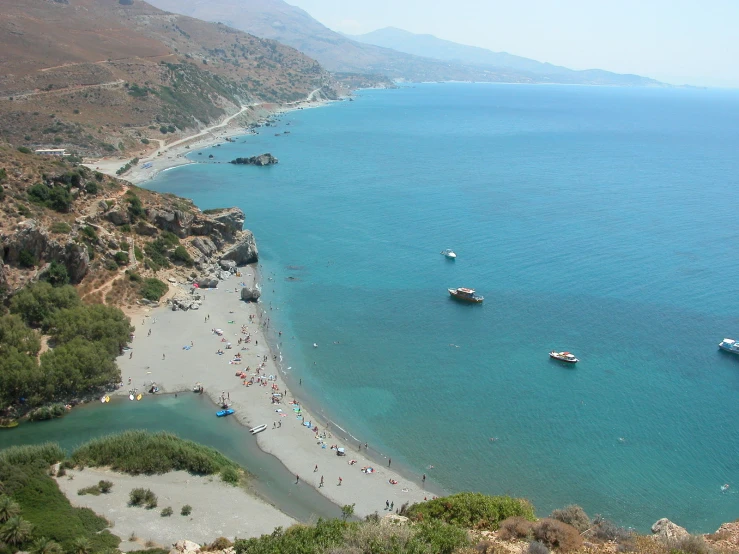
<point x="222" y="413"/>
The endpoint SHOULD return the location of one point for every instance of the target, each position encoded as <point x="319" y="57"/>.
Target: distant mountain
<point x="433" y="47"/>
<point x="278" y="20"/>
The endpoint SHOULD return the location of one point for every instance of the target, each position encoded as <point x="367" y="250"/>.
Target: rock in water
<point x="262" y="159"/>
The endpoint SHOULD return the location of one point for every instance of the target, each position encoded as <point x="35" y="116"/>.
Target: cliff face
<point x="98" y="229"/>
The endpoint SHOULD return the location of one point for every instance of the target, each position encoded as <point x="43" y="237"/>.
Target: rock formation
<point x="251" y="294"/>
<point x="667" y="531"/>
<point x="262" y="159"/>
<point x="244" y="251"/>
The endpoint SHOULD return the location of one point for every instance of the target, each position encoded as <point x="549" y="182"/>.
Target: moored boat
<point x="449" y="253"/>
<point x="257" y="429"/>
<point x="564" y="357"/>
<point x="223" y="413"/>
<point x="466" y="295"/>
<point x="730" y="345"/>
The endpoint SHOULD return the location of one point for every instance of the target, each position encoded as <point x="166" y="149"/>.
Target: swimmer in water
<point x="725" y="487"/>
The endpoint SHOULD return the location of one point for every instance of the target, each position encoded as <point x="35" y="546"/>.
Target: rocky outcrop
<point x="667" y="531"/>
<point x="174" y="221"/>
<point x="205" y="246"/>
<point x="250" y="294"/>
<point x="185" y="547"/>
<point x="32" y="239"/>
<point x="262" y="159"/>
<point x="184" y="301"/>
<point x="244" y="251"/>
<point x="118" y="217"/>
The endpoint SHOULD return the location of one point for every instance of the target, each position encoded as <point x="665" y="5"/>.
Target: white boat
<point x="729" y="345"/>
<point x="564" y="357"/>
<point x="257" y="429"/>
<point x="449" y="253"/>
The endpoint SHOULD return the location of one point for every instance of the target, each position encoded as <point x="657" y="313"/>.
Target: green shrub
<point x="27" y="259"/>
<point x="121" y="258"/>
<point x="57" y="274"/>
<point x="138" y="253"/>
<point x="142" y="497"/>
<point x="472" y="510"/>
<point x="137" y="452"/>
<point x="93" y="490"/>
<point x="153" y="289"/>
<point x="186" y="510"/>
<point x="573" y="515"/>
<point x="90" y="232"/>
<point x="230" y="475"/>
<point x="105" y="486"/>
<point x="25" y="150"/>
<point x="23" y="210"/>
<point x="91" y="187"/>
<point x="180" y="254"/>
<point x="60" y="227"/>
<point x="166" y="512"/>
<point x="221" y="543"/>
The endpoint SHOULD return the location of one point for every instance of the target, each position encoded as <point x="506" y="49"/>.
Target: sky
<point x="677" y="41"/>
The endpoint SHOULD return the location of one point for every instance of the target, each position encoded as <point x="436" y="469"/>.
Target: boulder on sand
<point x="250" y="294"/>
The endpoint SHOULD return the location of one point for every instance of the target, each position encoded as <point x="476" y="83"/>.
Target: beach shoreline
<point x="168" y="156"/>
<point x="176" y="350"/>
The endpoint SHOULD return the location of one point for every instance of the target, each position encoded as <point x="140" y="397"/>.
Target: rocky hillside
<point x="65" y="223"/>
<point x="102" y="76"/>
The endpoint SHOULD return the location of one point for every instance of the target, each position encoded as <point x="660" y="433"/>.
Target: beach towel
<point x="186" y="347"/>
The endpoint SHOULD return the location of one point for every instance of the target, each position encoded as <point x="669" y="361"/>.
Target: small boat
<point x="139" y="396"/>
<point x="466" y="295"/>
<point x="449" y="253"/>
<point x="564" y="357"/>
<point x="730" y="345"/>
<point x="223" y="413"/>
<point x="257" y="429"/>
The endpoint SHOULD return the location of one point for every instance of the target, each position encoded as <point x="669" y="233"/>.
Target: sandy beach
<point x="173" y="154"/>
<point x="218" y="509"/>
<point x="176" y="350"/>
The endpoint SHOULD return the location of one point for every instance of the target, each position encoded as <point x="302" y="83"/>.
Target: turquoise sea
<point x="596" y="220"/>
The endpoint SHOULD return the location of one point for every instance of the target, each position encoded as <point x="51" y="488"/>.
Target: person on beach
<point x="387" y="504"/>
<point x="340" y="480"/>
<point x="423" y="479"/>
<point x="315" y="468"/>
<point x="130" y="355"/>
<point x="162" y="356"/>
<point x="389" y="461"/>
<point x="297" y="479"/>
<point x="321" y="483"/>
<point x="391" y="505"/>
<point x="149" y="334"/>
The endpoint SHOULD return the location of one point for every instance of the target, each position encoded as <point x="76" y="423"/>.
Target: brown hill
<point x="96" y="75"/>
<point x="103" y="234"/>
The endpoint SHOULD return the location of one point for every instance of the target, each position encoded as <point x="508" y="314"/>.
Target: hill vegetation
<point x="118" y="74"/>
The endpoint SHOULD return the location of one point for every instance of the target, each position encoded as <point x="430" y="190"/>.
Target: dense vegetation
<point x="86" y="340"/>
<point x="369" y="537"/>
<point x="35" y="515"/>
<point x="139" y="452"/>
<point x="471" y="510"/>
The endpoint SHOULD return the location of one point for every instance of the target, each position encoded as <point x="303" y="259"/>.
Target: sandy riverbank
<point x="162" y="357"/>
<point x="218" y="509"/>
<point x="167" y="156"/>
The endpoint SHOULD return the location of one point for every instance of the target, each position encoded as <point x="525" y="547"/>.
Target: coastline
<point x="169" y="156"/>
<point x="162" y="357"/>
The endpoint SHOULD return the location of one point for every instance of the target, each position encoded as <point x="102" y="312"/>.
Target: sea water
<point x="596" y="220"/>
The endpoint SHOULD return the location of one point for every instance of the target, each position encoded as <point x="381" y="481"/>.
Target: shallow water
<point x="597" y="220"/>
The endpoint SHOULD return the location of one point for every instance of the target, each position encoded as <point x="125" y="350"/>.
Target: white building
<point x="52" y="151"/>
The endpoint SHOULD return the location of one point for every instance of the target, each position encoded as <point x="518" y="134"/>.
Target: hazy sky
<point x="673" y="40"/>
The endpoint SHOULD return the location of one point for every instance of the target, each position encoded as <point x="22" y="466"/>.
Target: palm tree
<point x="15" y="531"/>
<point x="43" y="545"/>
<point x="81" y="545"/>
<point x="8" y="508"/>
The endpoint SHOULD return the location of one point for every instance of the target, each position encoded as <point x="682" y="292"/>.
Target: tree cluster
<point x="85" y="341"/>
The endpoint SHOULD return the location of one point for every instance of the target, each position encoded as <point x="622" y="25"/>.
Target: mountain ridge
<point x="433" y="47"/>
<point x="277" y="20"/>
